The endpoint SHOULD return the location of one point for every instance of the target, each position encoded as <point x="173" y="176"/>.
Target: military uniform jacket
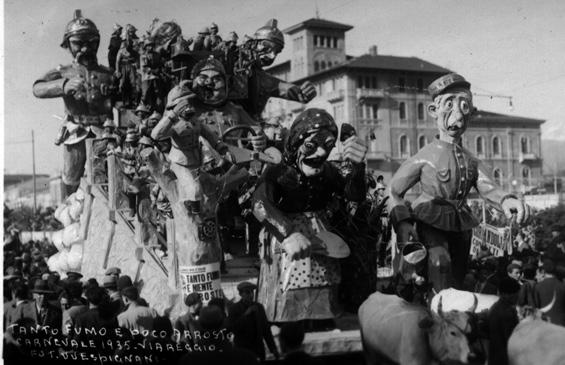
<point x="261" y="87"/>
<point x="208" y="122"/>
<point x="96" y="100"/>
<point x="446" y="172"/>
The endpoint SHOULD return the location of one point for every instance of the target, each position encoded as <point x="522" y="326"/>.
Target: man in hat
<point x="248" y="322"/>
<point x="136" y="316"/>
<point x="115" y="43"/>
<point x="187" y="324"/>
<point x="200" y="40"/>
<point x="87" y="91"/>
<point x="440" y="217"/>
<point x="548" y="289"/>
<point x="502" y="319"/>
<point x="20" y="306"/>
<point x="47" y="314"/>
<point x="127" y="64"/>
<point x="73" y="276"/>
<point x="151" y="65"/>
<point x="142" y="112"/>
<point x="259" y="52"/>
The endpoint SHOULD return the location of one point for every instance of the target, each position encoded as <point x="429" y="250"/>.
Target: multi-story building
<point x="385" y="98"/>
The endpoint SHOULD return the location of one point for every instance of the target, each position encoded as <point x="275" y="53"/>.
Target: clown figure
<point x="300" y="268"/>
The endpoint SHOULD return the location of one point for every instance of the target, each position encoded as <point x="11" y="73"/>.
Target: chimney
<point x="373" y="50"/>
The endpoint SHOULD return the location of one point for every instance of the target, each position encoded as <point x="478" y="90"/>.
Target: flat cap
<point x="110" y="282"/>
<point x="113" y="271"/>
<point x="192" y="299"/>
<point x="74" y="274"/>
<point x="246" y="286"/>
<point x="446" y="82"/>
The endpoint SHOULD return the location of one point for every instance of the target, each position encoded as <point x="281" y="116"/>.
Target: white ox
<point x="534" y="341"/>
<point x="407" y="333"/>
<point x="463" y="301"/>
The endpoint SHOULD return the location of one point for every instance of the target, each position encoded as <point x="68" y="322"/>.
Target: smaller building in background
<point x="18" y="190"/>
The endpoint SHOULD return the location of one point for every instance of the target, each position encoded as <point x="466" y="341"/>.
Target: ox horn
<point x="475" y="304"/>
<point x="548" y="307"/>
<point x="440" y="306"/>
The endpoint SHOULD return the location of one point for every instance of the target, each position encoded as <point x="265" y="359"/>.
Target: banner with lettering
<point x="496" y="240"/>
<point x="202" y="279"/>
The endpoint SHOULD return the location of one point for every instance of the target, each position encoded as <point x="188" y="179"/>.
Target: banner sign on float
<point x="496" y="240"/>
<point x="202" y="279"/>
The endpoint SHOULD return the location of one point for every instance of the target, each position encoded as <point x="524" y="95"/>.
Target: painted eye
<point x="465" y="108"/>
<point x="449" y="104"/>
<point x="309" y="145"/>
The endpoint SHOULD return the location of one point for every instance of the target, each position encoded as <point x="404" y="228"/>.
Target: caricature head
<point x="81" y="38"/>
<point x="209" y="81"/>
<point x="311" y="138"/>
<point x="269" y="42"/>
<point x="452" y="106"/>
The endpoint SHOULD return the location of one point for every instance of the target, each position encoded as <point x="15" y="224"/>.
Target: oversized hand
<point x="259" y="142"/>
<point x="354" y="149"/>
<point x="405" y="232"/>
<point x="75" y="86"/>
<point x="516" y="206"/>
<point x="308" y="91"/>
<point x="184" y="108"/>
<point x="297" y="246"/>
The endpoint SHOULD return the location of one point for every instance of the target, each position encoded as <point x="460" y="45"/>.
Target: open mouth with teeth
<point x="315" y="162"/>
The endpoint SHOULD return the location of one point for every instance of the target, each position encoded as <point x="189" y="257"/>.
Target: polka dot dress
<point x="313" y="271"/>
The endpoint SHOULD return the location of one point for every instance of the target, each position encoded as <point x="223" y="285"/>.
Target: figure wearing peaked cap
<point x="87" y="91"/>
<point x="200" y="41"/>
<point x="74" y="276"/>
<point x="300" y="267"/>
<point x="440" y="217"/>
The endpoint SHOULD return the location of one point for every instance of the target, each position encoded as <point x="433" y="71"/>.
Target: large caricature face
<point x="452" y="111"/>
<point x="314" y="151"/>
<point x="210" y="86"/>
<point x="83" y="47"/>
<point x="267" y="52"/>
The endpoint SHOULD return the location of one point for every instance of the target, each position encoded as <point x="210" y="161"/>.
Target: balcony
<point x="334" y="96"/>
<point x="370" y="94"/>
<point x="528" y="157"/>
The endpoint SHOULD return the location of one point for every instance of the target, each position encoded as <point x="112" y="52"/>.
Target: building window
<point x="329" y="64"/>
<point x="367" y="82"/>
<point x="359" y="82"/>
<point x="524" y="145"/>
<point x="420" y="111"/>
<point x="526" y="176"/>
<point x="422" y="141"/>
<point x="496" y="148"/>
<point x="479" y="146"/>
<point x="497" y="174"/>
<point x="402" y="111"/>
<point x="335" y="42"/>
<point x="403" y="145"/>
<point x="401" y="84"/>
<point x="375" y="111"/>
<point x="316" y="41"/>
<point x="316" y="66"/>
<point x="374" y="82"/>
<point x="420" y="85"/>
<point x="323" y="65"/>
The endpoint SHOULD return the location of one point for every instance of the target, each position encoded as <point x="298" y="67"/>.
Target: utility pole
<point x="34" y="178"/>
<point x="555" y="178"/>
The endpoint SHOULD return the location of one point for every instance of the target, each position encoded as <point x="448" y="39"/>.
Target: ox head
<point x="446" y="335"/>
<point x="466" y="320"/>
<point x="529" y="313"/>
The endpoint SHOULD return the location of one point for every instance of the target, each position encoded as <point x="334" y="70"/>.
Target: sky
<point x="503" y="47"/>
